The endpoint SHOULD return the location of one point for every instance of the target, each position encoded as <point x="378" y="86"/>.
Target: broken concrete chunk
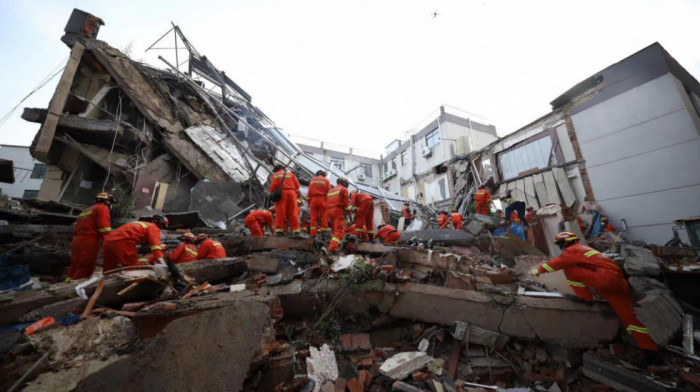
<point x="321" y="366"/>
<point x="661" y="314"/>
<point x="403" y="364"/>
<point x="643" y="284"/>
<point x="640" y="261"/>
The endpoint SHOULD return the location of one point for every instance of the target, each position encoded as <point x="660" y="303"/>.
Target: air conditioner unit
<point x="361" y="177"/>
<point x="426" y="152"/>
<point x="390" y="173"/>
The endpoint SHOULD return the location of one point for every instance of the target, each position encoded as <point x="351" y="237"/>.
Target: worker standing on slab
<point x="185" y="252"/>
<point x="208" y="248"/>
<point x="407" y="216"/>
<point x="443" y="221"/>
<point x="316" y="198"/>
<point x="586" y="268"/>
<point x="363" y="204"/>
<point x="338" y="205"/>
<point x="456" y="219"/>
<point x="91" y="227"/>
<point x="388" y="234"/>
<point x="119" y="248"/>
<point x="257" y="220"/>
<point x="515" y="205"/>
<point x="483" y="200"/>
<point x="286" y="208"/>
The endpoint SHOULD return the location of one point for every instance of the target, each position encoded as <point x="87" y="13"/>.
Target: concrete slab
<point x="446" y="237"/>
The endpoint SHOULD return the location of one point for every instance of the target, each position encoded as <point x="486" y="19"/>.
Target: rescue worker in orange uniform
<point x="151" y="258"/>
<point x="257" y="220"/>
<point x="92" y="226"/>
<point x="528" y="215"/>
<point x="607" y="226"/>
<point x="350" y="230"/>
<point x="443" y="221"/>
<point x="208" y="248"/>
<point x="316" y="198"/>
<point x="338" y="205"/>
<point x="515" y="207"/>
<point x="586" y="268"/>
<point x="286" y="209"/>
<point x="483" y="200"/>
<point x="456" y="219"/>
<point x="119" y="248"/>
<point x="388" y="234"/>
<point x="186" y="252"/>
<point x="407" y="216"/>
<point x="363" y="204"/>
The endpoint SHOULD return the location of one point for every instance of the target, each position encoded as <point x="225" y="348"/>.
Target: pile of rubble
<point x="438" y="313"/>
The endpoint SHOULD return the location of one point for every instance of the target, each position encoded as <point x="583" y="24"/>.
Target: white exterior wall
<point x="23" y="164"/>
<point x="642" y="152"/>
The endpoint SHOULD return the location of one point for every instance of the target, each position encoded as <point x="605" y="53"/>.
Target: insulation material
<point x="567" y="192"/>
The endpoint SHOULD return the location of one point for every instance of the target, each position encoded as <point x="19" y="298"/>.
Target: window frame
<point x="548" y="132"/>
<point x="335" y="161"/>
<point x="24" y="194"/>
<point x="404" y="157"/>
<point x="41" y="173"/>
<point x="430" y="135"/>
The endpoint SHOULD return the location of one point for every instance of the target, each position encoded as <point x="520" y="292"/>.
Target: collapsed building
<point x="159" y="134"/>
<point x="448" y="310"/>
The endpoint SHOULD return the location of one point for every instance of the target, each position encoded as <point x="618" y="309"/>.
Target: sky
<point x="361" y="73"/>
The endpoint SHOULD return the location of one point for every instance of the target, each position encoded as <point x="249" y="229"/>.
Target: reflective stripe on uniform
<point x="348" y="208"/>
<point x="634" y="328"/>
<point x="333" y="193"/>
<point x="370" y="232"/>
<point x="104" y="229"/>
<point x="143" y="260"/>
<point x="295" y="231"/>
<point x="279" y="230"/>
<point x="84" y="214"/>
<point x="317" y="182"/>
<point x="335" y="239"/>
<point x="156" y="247"/>
<point x="215" y="243"/>
<point x="194" y="252"/>
<point x="576" y="284"/>
<point x="312" y="227"/>
<point x="359" y="230"/>
<point x="591" y="253"/>
<point x="547" y="267"/>
<point x="140" y="223"/>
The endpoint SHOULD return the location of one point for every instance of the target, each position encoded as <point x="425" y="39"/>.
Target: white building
<point x="29" y="173"/>
<point x="414" y="168"/>
<point x="362" y="169"/>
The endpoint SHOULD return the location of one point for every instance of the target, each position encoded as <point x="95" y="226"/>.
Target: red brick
<point x="351" y="342"/>
<point x="340" y="384"/>
<point x="354" y="385"/>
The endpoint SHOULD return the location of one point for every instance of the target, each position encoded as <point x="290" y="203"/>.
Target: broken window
<point x="530" y="155"/>
<point x="433" y="138"/>
<point x="29" y="194"/>
<point x="39" y="171"/>
<point x="338" y="163"/>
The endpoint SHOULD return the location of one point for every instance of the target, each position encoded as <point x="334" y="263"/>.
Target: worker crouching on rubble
<point x="151" y="258"/>
<point x="388" y="234"/>
<point x="257" y="220"/>
<point x="208" y="248"/>
<point x="338" y="205"/>
<point x="119" y="247"/>
<point x="363" y="204"/>
<point x="185" y="252"/>
<point x="456" y="219"/>
<point x="92" y="226"/>
<point x="586" y="268"/>
<point x="286" y="208"/>
<point x="443" y="221"/>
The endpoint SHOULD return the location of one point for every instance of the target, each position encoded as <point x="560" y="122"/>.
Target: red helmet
<point x="565" y="237"/>
<point x="105" y="197"/>
<point x="160" y="220"/>
<point x="200" y="238"/>
<point x="187" y="237"/>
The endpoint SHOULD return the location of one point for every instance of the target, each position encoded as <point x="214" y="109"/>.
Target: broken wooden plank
<point x="530" y="193"/>
<point x="540" y="189"/>
<point x="564" y="186"/>
<point x="551" y="185"/>
<point x="93" y="299"/>
<point x="48" y="129"/>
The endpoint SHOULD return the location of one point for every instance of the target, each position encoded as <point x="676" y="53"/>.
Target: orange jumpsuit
<point x="286" y="209"/>
<point x="483" y="199"/>
<point x="609" y="228"/>
<point x="364" y="217"/>
<point x="442" y="221"/>
<point x="318" y="209"/>
<point x="456" y="220"/>
<point x="91" y="227"/>
<point x="388" y="234"/>
<point x="210" y="249"/>
<point x="585" y="267"/>
<point x="119" y="248"/>
<point x="257" y="220"/>
<point x="350" y="230"/>
<point x="338" y="203"/>
<point x="528" y="216"/>
<point x="184" y="253"/>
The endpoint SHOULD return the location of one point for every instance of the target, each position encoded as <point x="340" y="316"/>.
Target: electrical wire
<point x="114" y="141"/>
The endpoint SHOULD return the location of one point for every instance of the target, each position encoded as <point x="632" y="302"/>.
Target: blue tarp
<point x="515" y="229"/>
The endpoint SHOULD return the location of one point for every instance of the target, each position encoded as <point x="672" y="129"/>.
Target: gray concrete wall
<point x="23" y="164"/>
<point x="642" y="153"/>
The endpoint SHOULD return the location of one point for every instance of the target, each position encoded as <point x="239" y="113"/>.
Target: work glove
<point x="161" y="260"/>
<point x="535" y="272"/>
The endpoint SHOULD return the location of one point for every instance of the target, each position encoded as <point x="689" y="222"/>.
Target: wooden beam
<point x="48" y="129"/>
